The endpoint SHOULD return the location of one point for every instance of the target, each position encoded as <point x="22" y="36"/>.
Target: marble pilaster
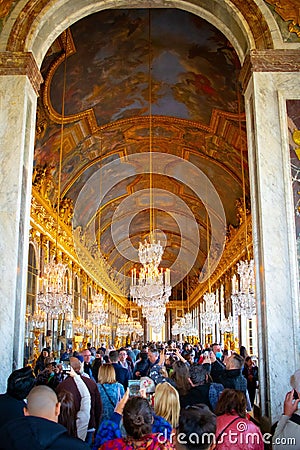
<point x="17" y="125"/>
<point x="266" y="91"/>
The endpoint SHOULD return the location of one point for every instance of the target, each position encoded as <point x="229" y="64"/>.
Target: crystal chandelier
<point x="38" y="320"/>
<point x="226" y="324"/>
<point x="123" y="328"/>
<point x="98" y="316"/>
<point x="150" y="253"/>
<point x="137" y="328"/>
<point x="185" y="326"/>
<point x="210" y="316"/>
<point x="178" y="327"/>
<point x="54" y="298"/>
<point x="105" y="330"/>
<point x="134" y="326"/>
<point x="243" y="298"/>
<point x="243" y="295"/>
<point x="155" y="316"/>
<point x="189" y="329"/>
<point x="151" y="287"/>
<point x="175" y="330"/>
<point x="81" y="327"/>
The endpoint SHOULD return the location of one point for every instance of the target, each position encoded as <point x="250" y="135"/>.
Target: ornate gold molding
<point x="235" y="249"/>
<point x="43" y="219"/>
<point x="289" y="11"/>
<point x="18" y="63"/>
<point x="296" y="139"/>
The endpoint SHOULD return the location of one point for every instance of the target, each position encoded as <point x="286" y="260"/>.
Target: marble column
<point x="270" y="78"/>
<point x="19" y="84"/>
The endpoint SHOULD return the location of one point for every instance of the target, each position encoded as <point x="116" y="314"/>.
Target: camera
<point x="206" y="354"/>
<point x="66" y="366"/>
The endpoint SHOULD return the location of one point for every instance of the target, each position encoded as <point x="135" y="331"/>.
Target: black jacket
<point x="36" y="433"/>
<point x="141" y="366"/>
<point x="217" y="370"/>
<point x="10" y="408"/>
<point x="196" y="395"/>
<point x="122" y="375"/>
<point x="233" y="379"/>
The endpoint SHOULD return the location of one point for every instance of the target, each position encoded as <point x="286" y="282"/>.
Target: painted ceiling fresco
<point x="135" y="83"/>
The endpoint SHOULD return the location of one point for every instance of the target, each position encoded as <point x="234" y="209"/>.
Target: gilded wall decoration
<point x="288" y="10"/>
<point x="293" y="110"/>
<point x="5" y="6"/>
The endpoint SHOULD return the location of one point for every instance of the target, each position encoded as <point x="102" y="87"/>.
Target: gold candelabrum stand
<point x="231" y="342"/>
<point x="208" y="341"/>
<point x="36" y="341"/>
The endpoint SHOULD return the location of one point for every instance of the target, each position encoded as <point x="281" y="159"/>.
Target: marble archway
<point x="24" y="40"/>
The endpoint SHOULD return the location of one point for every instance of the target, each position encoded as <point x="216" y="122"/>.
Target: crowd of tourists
<point x="146" y="396"/>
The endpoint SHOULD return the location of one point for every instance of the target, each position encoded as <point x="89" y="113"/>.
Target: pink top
<point x="234" y="432"/>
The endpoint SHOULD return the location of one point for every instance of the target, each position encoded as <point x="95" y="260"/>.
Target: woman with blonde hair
<point x="110" y="390"/>
<point x="166" y="403"/>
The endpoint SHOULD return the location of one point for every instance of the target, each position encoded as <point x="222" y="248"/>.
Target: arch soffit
<point x="242" y="22"/>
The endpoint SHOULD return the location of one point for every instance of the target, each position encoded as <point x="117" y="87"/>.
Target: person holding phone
<point x="96" y="404"/>
<point x="288" y="426"/>
<point x="76" y="422"/>
<point x="139" y="423"/>
<point x="51" y="376"/>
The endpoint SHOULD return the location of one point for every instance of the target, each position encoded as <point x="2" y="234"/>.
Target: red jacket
<point x="236" y="433"/>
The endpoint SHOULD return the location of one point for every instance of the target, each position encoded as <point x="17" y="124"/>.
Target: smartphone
<point x="134" y="388"/>
<point x="66" y="366"/>
<point x="295" y="395"/>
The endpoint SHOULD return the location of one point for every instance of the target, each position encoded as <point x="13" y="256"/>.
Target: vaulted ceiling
<point x="141" y="93"/>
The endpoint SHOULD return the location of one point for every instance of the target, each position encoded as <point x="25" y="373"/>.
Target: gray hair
<point x="295" y="380"/>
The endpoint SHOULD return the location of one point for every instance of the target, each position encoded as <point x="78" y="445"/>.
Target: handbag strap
<point x="108" y="396"/>
<point x="224" y="429"/>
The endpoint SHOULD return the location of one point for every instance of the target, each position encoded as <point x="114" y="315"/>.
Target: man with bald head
<point x="96" y="404"/>
<point x="38" y="428"/>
